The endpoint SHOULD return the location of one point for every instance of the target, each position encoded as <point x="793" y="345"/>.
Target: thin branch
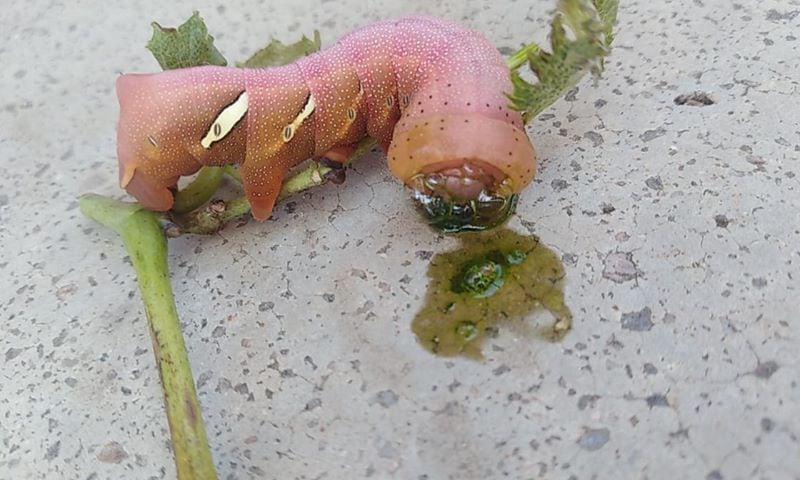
<point x="213" y="217"/>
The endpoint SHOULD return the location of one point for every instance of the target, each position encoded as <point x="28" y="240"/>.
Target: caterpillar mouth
<point x="465" y="169"/>
<point x="484" y="213"/>
<point x="468" y="197"/>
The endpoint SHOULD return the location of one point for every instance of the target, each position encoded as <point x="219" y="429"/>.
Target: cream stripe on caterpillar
<point x="308" y="109"/>
<point x="225" y="121"/>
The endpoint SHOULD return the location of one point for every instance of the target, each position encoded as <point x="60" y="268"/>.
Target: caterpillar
<point x="430" y="92"/>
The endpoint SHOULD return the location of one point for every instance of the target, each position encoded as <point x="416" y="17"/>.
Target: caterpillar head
<point x="170" y="124"/>
<point x="466" y="170"/>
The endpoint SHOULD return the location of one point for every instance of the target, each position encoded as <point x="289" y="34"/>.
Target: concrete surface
<point x="683" y="359"/>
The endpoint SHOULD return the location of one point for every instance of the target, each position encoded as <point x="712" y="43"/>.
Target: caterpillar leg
<point x="149" y="193"/>
<point x="337" y="175"/>
<point x="337" y="158"/>
<point x="340" y="154"/>
<point x="262" y="184"/>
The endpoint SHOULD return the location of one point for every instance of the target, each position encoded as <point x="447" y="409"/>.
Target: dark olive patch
<point x="494" y="278"/>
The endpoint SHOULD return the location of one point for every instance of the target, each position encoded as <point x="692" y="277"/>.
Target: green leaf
<point x="276" y="53"/>
<point x="608" y="10"/>
<point x="591" y="25"/>
<point x="189" y="45"/>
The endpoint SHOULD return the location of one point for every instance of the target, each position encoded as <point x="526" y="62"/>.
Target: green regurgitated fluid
<point x="495" y="276"/>
<point x="451" y="216"/>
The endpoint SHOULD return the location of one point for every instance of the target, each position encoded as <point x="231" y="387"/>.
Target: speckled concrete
<point x="677" y="224"/>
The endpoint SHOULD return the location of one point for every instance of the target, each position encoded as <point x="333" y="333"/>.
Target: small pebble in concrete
<point x="694" y="99"/>
<point x="594" y="439"/>
<point x="640" y="321"/>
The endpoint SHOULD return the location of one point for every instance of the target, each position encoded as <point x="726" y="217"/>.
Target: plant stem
<point x="311" y="176"/>
<point x="214" y="216"/>
<point x="143" y="234"/>
<point x="200" y="190"/>
<point x="521" y="56"/>
<point x="363" y="147"/>
<point x="208" y="219"/>
<point x="233" y="172"/>
<point x="146" y="244"/>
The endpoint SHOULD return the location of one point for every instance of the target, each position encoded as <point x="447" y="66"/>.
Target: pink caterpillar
<point x="431" y="92"/>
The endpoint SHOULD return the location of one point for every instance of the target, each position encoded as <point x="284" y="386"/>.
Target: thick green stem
<point x="233" y="172"/>
<point x="200" y="190"/>
<point x="313" y="175"/>
<point x="209" y="219"/>
<point x="146" y="244"/>
<point x="362" y="148"/>
<point x="214" y="216"/>
<point x="217" y="214"/>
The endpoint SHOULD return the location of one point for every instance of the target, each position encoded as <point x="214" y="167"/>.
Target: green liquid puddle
<point x="495" y="277"/>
